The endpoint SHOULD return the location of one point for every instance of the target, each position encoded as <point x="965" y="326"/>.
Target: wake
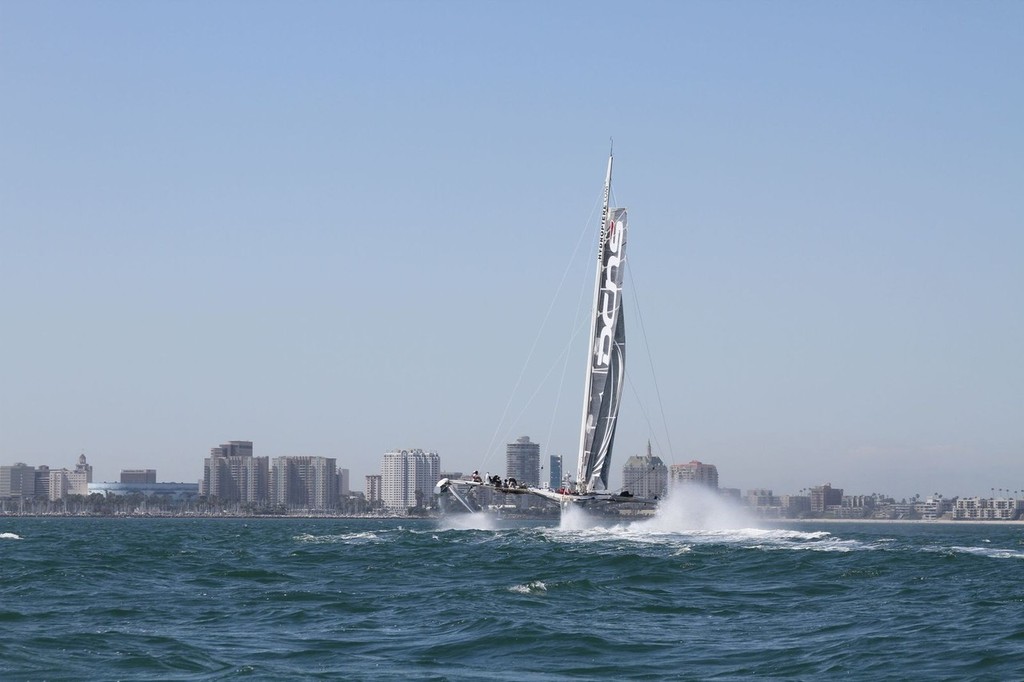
<point x="469" y="521"/>
<point x="693" y="515"/>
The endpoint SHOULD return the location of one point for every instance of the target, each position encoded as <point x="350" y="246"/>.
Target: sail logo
<point x="611" y="288"/>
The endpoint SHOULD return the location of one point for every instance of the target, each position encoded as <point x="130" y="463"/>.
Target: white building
<point x="645" y="475"/>
<point x="404" y="473"/>
<point x="987" y="509"/>
<point x="695" y="472"/>
<point x="63" y="482"/>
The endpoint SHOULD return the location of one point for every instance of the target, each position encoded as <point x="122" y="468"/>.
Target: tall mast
<point x="582" y="479"/>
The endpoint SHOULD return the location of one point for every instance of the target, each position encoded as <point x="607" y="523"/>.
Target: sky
<point x="341" y="228"/>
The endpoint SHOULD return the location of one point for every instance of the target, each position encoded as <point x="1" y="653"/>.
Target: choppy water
<point x="388" y="599"/>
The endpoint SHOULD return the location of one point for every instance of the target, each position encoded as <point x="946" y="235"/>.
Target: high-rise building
<point x="695" y="472"/>
<point x="344" y="483"/>
<point x="645" y="475"/>
<point x="555" y="472"/>
<point x="59" y="483"/>
<point x="373" y="485"/>
<point x="41" y="484"/>
<point x="304" y="482"/>
<point x="823" y="496"/>
<point x="233" y="448"/>
<point x="408" y="478"/>
<point x="85" y="469"/>
<point x="133" y="476"/>
<point x="17" y="481"/>
<point x="522" y="461"/>
<point x="231" y="474"/>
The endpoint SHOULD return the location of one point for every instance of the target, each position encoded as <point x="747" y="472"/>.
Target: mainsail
<point x="607" y="356"/>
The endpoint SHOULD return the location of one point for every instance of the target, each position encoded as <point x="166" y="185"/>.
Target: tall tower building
<point x="231" y="474"/>
<point x="555" y="472"/>
<point x="84" y="469"/>
<point x="373" y="486"/>
<point x="645" y="475"/>
<point x="304" y="482"/>
<point x="695" y="472"/>
<point x="408" y="478"/>
<point x="522" y="461"/>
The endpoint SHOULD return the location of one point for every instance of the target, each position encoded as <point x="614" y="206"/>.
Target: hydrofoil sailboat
<point x="602" y="389"/>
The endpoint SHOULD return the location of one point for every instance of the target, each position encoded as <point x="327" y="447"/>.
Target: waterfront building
<point x="987" y="509"/>
<point x="935" y="507"/>
<point x="522" y="461"/>
<point x="41" y="484"/>
<point x="408" y="478"/>
<point x="645" y="475"/>
<point x="764" y="503"/>
<point x="138" y="475"/>
<point x="231" y="474"/>
<point x="85" y="469"/>
<point x="795" y="506"/>
<point x="63" y="482"/>
<point x="17" y="481"/>
<point x="301" y="482"/>
<point x="555" y="472"/>
<point x="695" y="472"/>
<point x="173" y="492"/>
<point x="761" y="497"/>
<point x="344" y="483"/>
<point x="733" y="494"/>
<point x="825" y="496"/>
<point x="373" y="484"/>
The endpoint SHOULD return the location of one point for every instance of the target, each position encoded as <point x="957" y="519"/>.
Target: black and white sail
<point x="607" y="355"/>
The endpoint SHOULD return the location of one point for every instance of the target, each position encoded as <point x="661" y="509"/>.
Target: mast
<point x="607" y="280"/>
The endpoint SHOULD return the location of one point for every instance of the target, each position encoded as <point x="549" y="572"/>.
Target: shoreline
<point x="400" y="517"/>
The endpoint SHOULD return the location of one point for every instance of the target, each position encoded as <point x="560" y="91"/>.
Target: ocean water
<point x="472" y="598"/>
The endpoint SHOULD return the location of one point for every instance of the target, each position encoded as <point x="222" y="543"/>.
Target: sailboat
<point x="602" y="392"/>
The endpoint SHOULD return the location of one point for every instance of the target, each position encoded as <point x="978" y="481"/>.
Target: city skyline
<point x="224" y="222"/>
<point x="644" y="476"/>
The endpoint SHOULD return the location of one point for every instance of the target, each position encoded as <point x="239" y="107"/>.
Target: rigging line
<point x="646" y="414"/>
<point x="575" y="330"/>
<point x="559" y="360"/>
<point x="650" y="361"/>
<point x="536" y="340"/>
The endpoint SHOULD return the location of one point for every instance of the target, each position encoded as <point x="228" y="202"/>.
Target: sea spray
<point x="575" y="517"/>
<point x="690" y="507"/>
<point x="469" y="521"/>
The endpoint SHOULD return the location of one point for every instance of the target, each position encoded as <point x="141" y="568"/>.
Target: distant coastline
<point x="755" y="522"/>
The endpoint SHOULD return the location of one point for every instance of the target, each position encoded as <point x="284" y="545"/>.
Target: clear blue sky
<point x="336" y="229"/>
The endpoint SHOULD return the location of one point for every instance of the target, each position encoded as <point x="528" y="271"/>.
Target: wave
<point x="529" y="588"/>
<point x="361" y="538"/>
<point x="990" y="552"/>
<point x="691" y="516"/>
<point x="474" y="521"/>
<point x="10" y="536"/>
